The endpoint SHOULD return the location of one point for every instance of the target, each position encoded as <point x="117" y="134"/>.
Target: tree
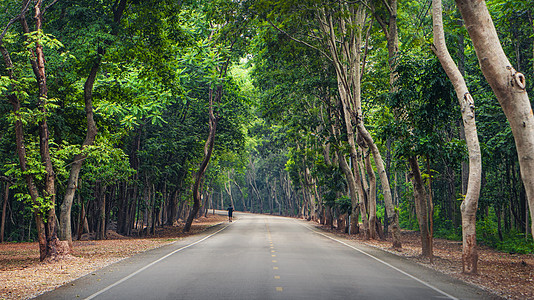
<point x="42" y="190"/>
<point x="224" y="38"/>
<point x="469" y="204"/>
<point x="508" y="85"/>
<point x="65" y="232"/>
<point x="346" y="22"/>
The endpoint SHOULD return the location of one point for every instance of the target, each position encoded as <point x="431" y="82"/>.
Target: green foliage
<point x="407" y="218"/>
<point x="515" y="242"/>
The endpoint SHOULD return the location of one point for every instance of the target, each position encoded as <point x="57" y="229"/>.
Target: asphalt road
<point x="264" y="257"/>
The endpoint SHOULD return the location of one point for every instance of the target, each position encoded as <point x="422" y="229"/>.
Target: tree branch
<point x="366" y="50"/>
<point x="49" y="5"/>
<point x="15" y="19"/>
<point x="386" y="4"/>
<point x="299" y="41"/>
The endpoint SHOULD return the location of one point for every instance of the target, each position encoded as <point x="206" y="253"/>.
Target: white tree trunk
<point x="470" y="203"/>
<point x="507" y="84"/>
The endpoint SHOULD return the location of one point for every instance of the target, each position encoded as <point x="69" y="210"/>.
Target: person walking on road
<point x="230" y="210"/>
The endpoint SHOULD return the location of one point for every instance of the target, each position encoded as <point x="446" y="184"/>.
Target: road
<point x="265" y="257"/>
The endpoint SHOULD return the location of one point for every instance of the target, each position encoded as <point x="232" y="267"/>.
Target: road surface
<point x="266" y="257"/>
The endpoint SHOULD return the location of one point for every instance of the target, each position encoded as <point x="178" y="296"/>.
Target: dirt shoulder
<point x="22" y="276"/>
<point x="507" y="275"/>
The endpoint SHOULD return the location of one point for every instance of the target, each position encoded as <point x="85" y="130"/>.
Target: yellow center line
<point x="275" y="268"/>
<point x="279" y="289"/>
<point x="276" y="277"/>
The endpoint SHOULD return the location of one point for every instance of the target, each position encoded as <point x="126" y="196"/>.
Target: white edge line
<point x="151" y="264"/>
<point x="385" y="263"/>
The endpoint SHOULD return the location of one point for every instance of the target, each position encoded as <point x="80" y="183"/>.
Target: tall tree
<point x="42" y="194"/>
<point x="340" y="28"/>
<point x="508" y="85"/>
<point x="229" y="22"/>
<point x="65" y="231"/>
<point x="470" y="203"/>
<point x="387" y="18"/>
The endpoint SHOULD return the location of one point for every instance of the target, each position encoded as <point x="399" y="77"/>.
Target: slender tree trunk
<point x="390" y="30"/>
<point x="173" y="218"/>
<point x="208" y="149"/>
<point x="65" y="233"/>
<point x="242" y="195"/>
<point x="356" y="194"/>
<point x="470" y="203"/>
<point x="507" y="84"/>
<point x="371" y="197"/>
<point x="83" y="225"/>
<point x="421" y="207"/>
<point x="430" y="208"/>
<point x="101" y="225"/>
<point x="4" y="208"/>
<point x="310" y="186"/>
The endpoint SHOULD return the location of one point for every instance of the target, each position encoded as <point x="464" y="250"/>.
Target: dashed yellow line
<point x="270" y="239"/>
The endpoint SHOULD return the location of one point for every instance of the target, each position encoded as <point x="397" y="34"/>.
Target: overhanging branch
<point x="15" y="19"/>
<point x="299" y="41"/>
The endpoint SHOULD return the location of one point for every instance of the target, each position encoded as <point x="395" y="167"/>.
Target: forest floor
<point x="22" y="276"/>
<point x="508" y="275"/>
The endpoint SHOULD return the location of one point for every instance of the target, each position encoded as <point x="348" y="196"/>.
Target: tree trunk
<point x="214" y="96"/>
<point x="356" y="194"/>
<point x="101" y="219"/>
<point x="470" y="203"/>
<point x="65" y="232"/>
<point x="390" y="30"/>
<point x="371" y="199"/>
<point x="421" y="208"/>
<point x="310" y="187"/>
<point x="83" y="225"/>
<point x="173" y="218"/>
<point x="242" y="195"/>
<point x="507" y="84"/>
<point x="49" y="246"/>
<point x="4" y="207"/>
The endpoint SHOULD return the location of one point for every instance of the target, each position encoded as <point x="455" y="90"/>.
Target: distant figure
<point x="230" y="210"/>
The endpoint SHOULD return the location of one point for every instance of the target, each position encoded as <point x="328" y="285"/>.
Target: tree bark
<point x="4" y="207"/>
<point x="421" y="207"/>
<point x="470" y="203"/>
<point x="371" y="197"/>
<point x="507" y="84"/>
<point x="101" y="219"/>
<point x="356" y="194"/>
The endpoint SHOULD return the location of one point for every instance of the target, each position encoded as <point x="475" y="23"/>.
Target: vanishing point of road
<point x="266" y="257"/>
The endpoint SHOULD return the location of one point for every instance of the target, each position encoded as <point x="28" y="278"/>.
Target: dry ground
<point x="508" y="275"/>
<point x="22" y="276"/>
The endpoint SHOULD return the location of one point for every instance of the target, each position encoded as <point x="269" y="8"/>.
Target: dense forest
<point x="129" y="115"/>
